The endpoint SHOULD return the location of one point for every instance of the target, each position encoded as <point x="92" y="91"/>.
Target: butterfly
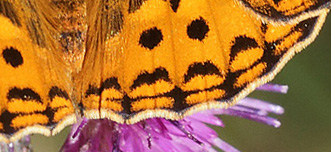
<point x="130" y="60"/>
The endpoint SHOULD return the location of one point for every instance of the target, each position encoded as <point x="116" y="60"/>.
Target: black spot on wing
<point x="135" y="5"/>
<point x="174" y="5"/>
<point x="198" y="68"/>
<point x="7" y="10"/>
<point x="23" y="94"/>
<point x="198" y="29"/>
<point x="150" y="78"/>
<point x="55" y="91"/>
<point x="242" y="43"/>
<point x="110" y="83"/>
<point x="12" y="56"/>
<point x="151" y="38"/>
<point x="92" y="90"/>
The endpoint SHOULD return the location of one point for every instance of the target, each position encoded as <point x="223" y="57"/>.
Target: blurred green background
<point x="306" y="123"/>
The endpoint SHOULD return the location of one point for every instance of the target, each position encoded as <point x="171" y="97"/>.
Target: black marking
<point x="264" y="27"/>
<point x="12" y="56"/>
<point x="110" y="83"/>
<point x="306" y="27"/>
<point x="179" y="95"/>
<point x="271" y="46"/>
<point x="126" y="104"/>
<point x="271" y="12"/>
<point x="7" y="10"/>
<point x="227" y="85"/>
<point x="81" y="107"/>
<point x="150" y="78"/>
<point x="55" y="91"/>
<point x="276" y="1"/>
<point x="242" y="43"/>
<point x="174" y="5"/>
<point x="5" y="118"/>
<point x="24" y="94"/>
<point x="49" y="112"/>
<point x="135" y="5"/>
<point x="268" y="57"/>
<point x="198" y="29"/>
<point x="199" y="68"/>
<point x="151" y="38"/>
<point x="92" y="90"/>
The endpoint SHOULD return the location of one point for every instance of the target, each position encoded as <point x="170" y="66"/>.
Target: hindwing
<point x="173" y="58"/>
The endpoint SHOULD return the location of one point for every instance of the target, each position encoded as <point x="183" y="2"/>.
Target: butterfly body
<point x="132" y="60"/>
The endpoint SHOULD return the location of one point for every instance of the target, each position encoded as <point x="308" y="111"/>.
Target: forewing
<point x="286" y="10"/>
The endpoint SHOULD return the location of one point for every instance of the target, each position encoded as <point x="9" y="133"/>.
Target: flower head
<point x="22" y="145"/>
<point x="157" y="134"/>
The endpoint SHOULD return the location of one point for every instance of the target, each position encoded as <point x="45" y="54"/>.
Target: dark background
<point x="306" y="123"/>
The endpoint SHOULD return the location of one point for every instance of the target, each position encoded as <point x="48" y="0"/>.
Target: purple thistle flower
<point x="22" y="145"/>
<point x="158" y="134"/>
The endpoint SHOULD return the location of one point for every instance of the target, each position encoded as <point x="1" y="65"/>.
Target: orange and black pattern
<point x="34" y="96"/>
<point x="25" y="108"/>
<point x="165" y="74"/>
<point x="285" y="9"/>
<point x="164" y="94"/>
